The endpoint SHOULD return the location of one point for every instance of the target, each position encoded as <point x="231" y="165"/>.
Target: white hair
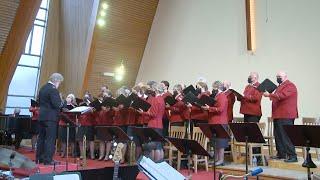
<point x="202" y="79"/>
<point x="158" y="87"/>
<point x="56" y="77"/>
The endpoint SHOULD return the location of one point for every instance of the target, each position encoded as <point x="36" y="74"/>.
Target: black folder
<point x="140" y="104"/>
<point x="267" y="85"/>
<point x="34" y="103"/>
<point x="79" y="101"/>
<point x="191" y="89"/>
<point x="96" y="104"/>
<point x="109" y="102"/>
<point x="170" y="100"/>
<point x="133" y="97"/>
<point x="206" y="100"/>
<point x="237" y="94"/>
<point x="190" y="98"/>
<point x="125" y="101"/>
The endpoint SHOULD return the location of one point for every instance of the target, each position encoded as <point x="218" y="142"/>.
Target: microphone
<point x="256" y="171"/>
<point x="12" y="156"/>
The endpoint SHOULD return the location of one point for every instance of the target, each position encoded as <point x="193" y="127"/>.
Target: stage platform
<point x="275" y="170"/>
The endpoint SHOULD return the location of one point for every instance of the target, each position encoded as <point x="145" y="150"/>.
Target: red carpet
<point x="94" y="164"/>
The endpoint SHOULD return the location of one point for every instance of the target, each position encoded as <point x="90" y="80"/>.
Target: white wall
<point x="193" y="38"/>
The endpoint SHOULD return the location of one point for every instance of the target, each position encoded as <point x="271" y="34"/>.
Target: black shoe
<point x="291" y="160"/>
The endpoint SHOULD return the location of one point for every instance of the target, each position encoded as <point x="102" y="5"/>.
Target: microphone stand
<point x="10" y="164"/>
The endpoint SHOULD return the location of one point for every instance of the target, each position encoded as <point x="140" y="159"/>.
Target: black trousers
<point x="46" y="141"/>
<point x="165" y="123"/>
<point x="283" y="144"/>
<point x="251" y="118"/>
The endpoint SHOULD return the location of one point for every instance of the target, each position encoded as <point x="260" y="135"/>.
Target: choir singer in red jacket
<point x="251" y="101"/>
<point x="284" y="111"/>
<point x="218" y="114"/>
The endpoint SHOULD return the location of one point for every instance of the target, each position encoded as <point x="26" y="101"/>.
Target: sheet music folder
<point x="267" y="85"/>
<point x="79" y="110"/>
<point x="191" y="89"/>
<point x="170" y="100"/>
<point x="190" y="98"/>
<point x="236" y="93"/>
<point x="109" y="102"/>
<point x="158" y="171"/>
<point x="139" y="103"/>
<point x="206" y="100"/>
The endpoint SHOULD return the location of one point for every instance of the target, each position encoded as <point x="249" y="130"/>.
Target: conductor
<point x="50" y="104"/>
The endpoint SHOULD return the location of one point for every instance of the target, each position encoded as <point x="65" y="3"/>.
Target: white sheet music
<point x="160" y="171"/>
<point x="81" y="109"/>
<point x="66" y="176"/>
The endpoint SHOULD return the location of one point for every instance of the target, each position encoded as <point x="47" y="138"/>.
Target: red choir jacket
<point x="155" y="112"/>
<point x="142" y="118"/>
<point x="176" y="110"/>
<point x="164" y="95"/>
<point x="284" y="101"/>
<point x="218" y="114"/>
<point x="72" y="117"/>
<point x="104" y="118"/>
<point x="35" y="113"/>
<point x="131" y="117"/>
<point x="251" y="102"/>
<point x="196" y="112"/>
<point x="87" y="119"/>
<point x="117" y="119"/>
<point x="231" y="99"/>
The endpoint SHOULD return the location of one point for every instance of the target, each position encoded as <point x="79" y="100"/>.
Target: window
<point x="24" y="83"/>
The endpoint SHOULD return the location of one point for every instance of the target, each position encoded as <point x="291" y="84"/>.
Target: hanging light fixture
<point x="102" y="14"/>
<point x="118" y="74"/>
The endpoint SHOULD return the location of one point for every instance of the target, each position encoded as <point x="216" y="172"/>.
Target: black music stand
<point x="69" y="123"/>
<point x="307" y="136"/>
<point x="110" y="133"/>
<point x="189" y="147"/>
<point x="147" y="135"/>
<point x="213" y="131"/>
<point x="248" y="133"/>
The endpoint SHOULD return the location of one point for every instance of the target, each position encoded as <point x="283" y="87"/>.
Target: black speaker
<point x="125" y="173"/>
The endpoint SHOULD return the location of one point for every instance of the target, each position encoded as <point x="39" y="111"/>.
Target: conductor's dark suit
<point x="50" y="104"/>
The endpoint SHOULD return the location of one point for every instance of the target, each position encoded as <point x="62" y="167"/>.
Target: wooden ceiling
<point x="8" y="9"/>
<point x="124" y="37"/>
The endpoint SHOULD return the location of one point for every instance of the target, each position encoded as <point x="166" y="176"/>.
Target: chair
<point x="312" y="122"/>
<point x="270" y="137"/>
<point x="232" y="140"/>
<point x="177" y="132"/>
<point x="199" y="136"/>
<point x="251" y="146"/>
